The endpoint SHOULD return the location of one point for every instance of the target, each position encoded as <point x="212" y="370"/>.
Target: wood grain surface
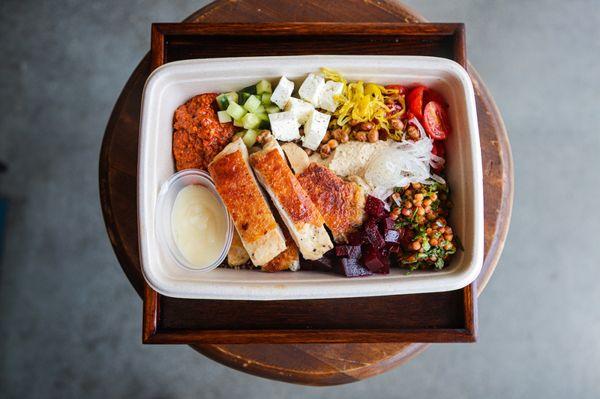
<point x="310" y="364"/>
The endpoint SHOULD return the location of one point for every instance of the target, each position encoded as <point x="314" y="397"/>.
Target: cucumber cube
<point x="235" y="110"/>
<point x="259" y="110"/>
<point x="240" y="134"/>
<point x="250" y="137"/>
<point x="266" y="98"/>
<point x="263" y="116"/>
<point x="252" y="103"/>
<point x="263" y="87"/>
<point x="222" y="101"/>
<point x="242" y="97"/>
<point x="272" y="109"/>
<point x="238" y="123"/>
<point x="250" y="121"/>
<point x="224" y="117"/>
<point x="232" y="97"/>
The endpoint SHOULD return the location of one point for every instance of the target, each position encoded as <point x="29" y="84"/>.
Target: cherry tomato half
<point x="432" y="95"/>
<point x="439" y="149"/>
<point x="435" y="121"/>
<point x="415" y="101"/>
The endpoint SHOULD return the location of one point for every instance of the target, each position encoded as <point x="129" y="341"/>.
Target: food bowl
<point x="164" y="209"/>
<point x="172" y="84"/>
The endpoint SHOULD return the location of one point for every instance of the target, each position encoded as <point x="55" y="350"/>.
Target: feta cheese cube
<point x="315" y="129"/>
<point x="284" y="126"/>
<point x="282" y="92"/>
<point x="311" y="88"/>
<point x="300" y="108"/>
<point x="327" y="99"/>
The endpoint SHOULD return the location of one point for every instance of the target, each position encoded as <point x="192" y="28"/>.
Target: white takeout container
<point x="173" y="84"/>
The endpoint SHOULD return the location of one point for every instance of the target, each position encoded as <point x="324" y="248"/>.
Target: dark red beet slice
<point x="351" y="268"/>
<point x="375" y="208"/>
<point x="373" y="235"/>
<point x="392" y="236"/>
<point x="393" y="248"/>
<point x="324" y="264"/>
<point x="348" y="251"/>
<point x="387" y="224"/>
<point x="376" y="261"/>
<point x="356" y="237"/>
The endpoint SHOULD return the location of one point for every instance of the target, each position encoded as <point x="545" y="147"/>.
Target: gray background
<point x="70" y="323"/>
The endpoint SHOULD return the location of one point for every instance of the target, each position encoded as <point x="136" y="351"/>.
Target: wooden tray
<point x="437" y="317"/>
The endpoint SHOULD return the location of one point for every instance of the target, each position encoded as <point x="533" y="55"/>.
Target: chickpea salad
<point x="351" y="173"/>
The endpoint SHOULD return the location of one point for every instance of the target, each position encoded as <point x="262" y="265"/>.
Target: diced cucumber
<point x="249" y="89"/>
<point x="252" y="103"/>
<point x="250" y="137"/>
<point x="251" y="121"/>
<point x="238" y="123"/>
<point x="263" y="87"/>
<point x="240" y="134"/>
<point x="223" y="116"/>
<point x="243" y="96"/>
<point x="260" y="110"/>
<point x="262" y="116"/>
<point x="232" y="97"/>
<point x="272" y="109"/>
<point x="222" y="101"/>
<point x="266" y="98"/>
<point x="235" y="110"/>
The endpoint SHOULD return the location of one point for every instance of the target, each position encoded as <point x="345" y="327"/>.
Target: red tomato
<point x="435" y="121"/>
<point x="432" y="95"/>
<point x="401" y="89"/>
<point x="439" y="149"/>
<point x="415" y="101"/>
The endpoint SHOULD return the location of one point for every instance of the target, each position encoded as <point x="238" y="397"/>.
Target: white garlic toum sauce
<point x="199" y="225"/>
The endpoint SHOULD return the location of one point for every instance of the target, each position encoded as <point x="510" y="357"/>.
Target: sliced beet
<point x="356" y="237"/>
<point x="375" y="207"/>
<point x="373" y="235"/>
<point x="386" y="225"/>
<point x="392" y="236"/>
<point x="393" y="248"/>
<point x="348" y="251"/>
<point x="351" y="268"/>
<point x="323" y="264"/>
<point x="376" y="261"/>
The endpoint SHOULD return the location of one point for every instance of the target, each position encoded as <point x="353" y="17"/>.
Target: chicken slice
<point x="259" y="232"/>
<point x="302" y="218"/>
<point x="237" y="255"/>
<point x="287" y="260"/>
<point x="296" y="156"/>
<point x="341" y="203"/>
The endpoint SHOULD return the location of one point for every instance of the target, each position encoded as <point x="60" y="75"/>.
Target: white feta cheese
<point x="315" y="129"/>
<point x="300" y="108"/>
<point x="282" y="92"/>
<point x="311" y="88"/>
<point x="327" y="99"/>
<point x="284" y="126"/>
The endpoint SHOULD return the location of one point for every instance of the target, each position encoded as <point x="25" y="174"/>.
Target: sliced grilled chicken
<point x="296" y="156"/>
<point x="302" y="218"/>
<point x="260" y="234"/>
<point x="287" y="260"/>
<point x="341" y="203"/>
<point x="237" y="254"/>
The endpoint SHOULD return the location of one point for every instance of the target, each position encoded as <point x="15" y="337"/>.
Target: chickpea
<point x="397" y="124"/>
<point x="420" y="211"/>
<point x="262" y="135"/>
<point x="408" y="192"/>
<point x="395" y="213"/>
<point x="373" y="135"/>
<point x="431" y="216"/>
<point x="433" y="242"/>
<point x="429" y="231"/>
<point x="417" y="186"/>
<point x="408" y="204"/>
<point x="325" y="151"/>
<point x="433" y="196"/>
<point x="332" y="144"/>
<point x="360" y="136"/>
<point x="413" y="133"/>
<point x="353" y="122"/>
<point x="366" y="126"/>
<point x="406" y="212"/>
<point x="415" y="246"/>
<point x="448" y="237"/>
<point x="448" y="247"/>
<point x="448" y="230"/>
<point x="427" y="202"/>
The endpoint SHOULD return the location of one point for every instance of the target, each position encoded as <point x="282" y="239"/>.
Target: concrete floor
<point x="64" y="64"/>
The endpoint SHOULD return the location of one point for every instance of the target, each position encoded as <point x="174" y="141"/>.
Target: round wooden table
<point x="302" y="364"/>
